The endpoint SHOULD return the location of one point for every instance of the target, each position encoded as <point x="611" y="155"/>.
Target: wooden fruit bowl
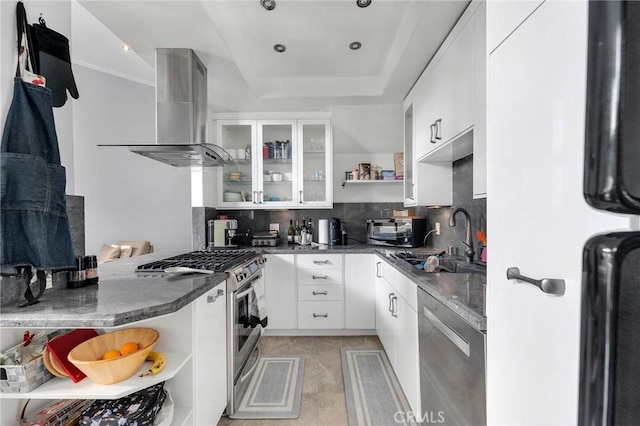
<point x="87" y="355"/>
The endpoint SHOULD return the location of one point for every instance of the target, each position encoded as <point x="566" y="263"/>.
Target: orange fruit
<point x="128" y="348"/>
<point x="111" y="354"/>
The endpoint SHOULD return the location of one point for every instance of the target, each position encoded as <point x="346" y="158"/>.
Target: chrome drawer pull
<point x="394" y="299"/>
<point x="547" y="285"/>
<point x="378" y="270"/>
<point x="451" y="334"/>
<point x="321" y="262"/>
<point x="320" y="315"/>
<point x="315" y="293"/>
<point x="391" y="295"/>
<point x="213" y="298"/>
<point x="320" y="277"/>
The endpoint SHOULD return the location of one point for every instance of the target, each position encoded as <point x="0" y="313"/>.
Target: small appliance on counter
<point x="397" y="232"/>
<point x="335" y="232"/>
<point x="222" y="232"/>
<point x="265" y="239"/>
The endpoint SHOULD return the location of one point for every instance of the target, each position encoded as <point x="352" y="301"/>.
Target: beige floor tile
<point x="323" y="402"/>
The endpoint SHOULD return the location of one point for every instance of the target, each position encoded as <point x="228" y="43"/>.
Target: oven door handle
<point x="247" y="291"/>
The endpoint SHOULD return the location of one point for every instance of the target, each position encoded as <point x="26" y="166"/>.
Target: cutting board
<point x="60" y="347"/>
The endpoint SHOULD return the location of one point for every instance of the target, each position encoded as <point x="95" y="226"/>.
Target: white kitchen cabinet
<point x="397" y="327"/>
<point x="195" y="372"/>
<point x="315" y="183"/>
<point x="279" y="163"/>
<point x="425" y="184"/>
<point x="538" y="219"/>
<point x="320" y="291"/>
<point x="210" y="356"/>
<point x="280" y="291"/>
<point x="360" y="291"/>
<point x="480" y="103"/>
<point x="447" y="93"/>
<point x="504" y="18"/>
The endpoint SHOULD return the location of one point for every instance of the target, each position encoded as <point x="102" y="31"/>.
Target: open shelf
<point x="58" y="388"/>
<point x="370" y="182"/>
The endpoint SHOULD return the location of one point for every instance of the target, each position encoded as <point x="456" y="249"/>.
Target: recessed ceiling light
<point x="270" y="4"/>
<point x="126" y="47"/>
<point x="363" y="3"/>
<point x="355" y="45"/>
<point x="279" y="47"/>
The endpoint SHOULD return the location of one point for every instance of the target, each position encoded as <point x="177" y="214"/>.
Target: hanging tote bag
<point x="34" y="228"/>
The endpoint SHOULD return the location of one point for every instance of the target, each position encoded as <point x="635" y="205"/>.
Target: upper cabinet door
<point x="455" y="76"/>
<point x="276" y="169"/>
<point x="238" y="182"/>
<point x="314" y="172"/>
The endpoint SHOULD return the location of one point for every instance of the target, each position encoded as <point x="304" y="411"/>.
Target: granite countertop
<point x="120" y="297"/>
<point x="462" y="293"/>
<point x="296" y="249"/>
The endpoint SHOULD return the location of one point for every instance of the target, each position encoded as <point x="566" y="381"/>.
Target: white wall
<point x="365" y="134"/>
<point x="126" y="195"/>
<point x="58" y="17"/>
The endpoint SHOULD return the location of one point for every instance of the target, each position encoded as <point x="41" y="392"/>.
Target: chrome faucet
<point x="469" y="253"/>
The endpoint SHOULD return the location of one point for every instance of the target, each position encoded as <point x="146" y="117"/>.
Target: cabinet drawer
<point x="320" y="315"/>
<point x="319" y="277"/>
<point x="320" y="292"/>
<point x="319" y="261"/>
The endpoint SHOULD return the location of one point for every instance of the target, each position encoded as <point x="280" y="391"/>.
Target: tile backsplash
<point x="355" y="215"/>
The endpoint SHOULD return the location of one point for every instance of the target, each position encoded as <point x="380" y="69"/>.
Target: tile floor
<point x="323" y="402"/>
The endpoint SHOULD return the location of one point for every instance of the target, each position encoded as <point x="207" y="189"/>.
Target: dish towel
<point x="258" y="304"/>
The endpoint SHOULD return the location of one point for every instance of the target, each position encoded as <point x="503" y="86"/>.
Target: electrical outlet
<point x="437" y="228"/>
<point x="274" y="227"/>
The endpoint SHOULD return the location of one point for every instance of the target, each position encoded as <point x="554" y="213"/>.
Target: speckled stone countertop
<point x="462" y="293"/>
<point x="120" y="297"/>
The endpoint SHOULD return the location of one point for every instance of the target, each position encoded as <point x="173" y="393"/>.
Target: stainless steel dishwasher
<point x="452" y="366"/>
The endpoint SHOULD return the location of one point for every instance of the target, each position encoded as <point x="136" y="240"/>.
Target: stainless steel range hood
<point x="181" y="113"/>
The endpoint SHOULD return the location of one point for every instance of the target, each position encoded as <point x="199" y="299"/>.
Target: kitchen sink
<point x="447" y="263"/>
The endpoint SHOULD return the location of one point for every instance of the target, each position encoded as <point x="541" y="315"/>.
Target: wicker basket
<point x="86" y="356"/>
<point x="23" y="378"/>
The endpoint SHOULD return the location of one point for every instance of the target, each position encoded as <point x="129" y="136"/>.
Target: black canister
<point x="77" y="277"/>
<point x="91" y="269"/>
<point x="335" y="232"/>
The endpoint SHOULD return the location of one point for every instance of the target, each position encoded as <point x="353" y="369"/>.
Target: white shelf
<point x="370" y="182"/>
<point x="58" y="388"/>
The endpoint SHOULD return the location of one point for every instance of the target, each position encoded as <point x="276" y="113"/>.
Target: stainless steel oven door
<point x="245" y="335"/>
<point x="242" y="343"/>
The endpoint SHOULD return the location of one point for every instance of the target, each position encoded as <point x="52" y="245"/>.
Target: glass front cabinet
<point x="277" y="164"/>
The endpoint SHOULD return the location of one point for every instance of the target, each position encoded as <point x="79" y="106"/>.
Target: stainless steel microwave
<point x="397" y="232"/>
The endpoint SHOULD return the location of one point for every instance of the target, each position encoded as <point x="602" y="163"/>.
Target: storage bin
<point x="23" y="378"/>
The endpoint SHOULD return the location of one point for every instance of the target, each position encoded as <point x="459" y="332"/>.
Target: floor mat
<point x="374" y="395"/>
<point x="275" y="390"/>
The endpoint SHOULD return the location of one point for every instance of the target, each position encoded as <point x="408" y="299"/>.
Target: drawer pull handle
<point x="391" y="296"/>
<point x="378" y="270"/>
<point x="214" y="297"/>
<point x="320" y="315"/>
<point x="324" y="293"/>
<point x="547" y="285"/>
<point x="320" y="277"/>
<point x="321" y="262"/>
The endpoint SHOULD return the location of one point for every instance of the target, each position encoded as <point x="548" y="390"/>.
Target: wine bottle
<point x="296" y="236"/>
<point x="291" y="232"/>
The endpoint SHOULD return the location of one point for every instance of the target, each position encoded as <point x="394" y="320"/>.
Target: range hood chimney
<point x="181" y="113"/>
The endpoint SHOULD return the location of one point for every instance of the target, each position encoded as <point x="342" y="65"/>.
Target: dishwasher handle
<point x="450" y="333"/>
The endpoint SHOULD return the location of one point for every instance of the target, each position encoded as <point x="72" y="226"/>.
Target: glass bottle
<point x="303" y="233"/>
<point x="310" y="229"/>
<point x="291" y="232"/>
<point x="296" y="236"/>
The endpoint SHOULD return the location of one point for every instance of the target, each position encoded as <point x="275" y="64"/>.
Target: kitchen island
<point x="188" y="311"/>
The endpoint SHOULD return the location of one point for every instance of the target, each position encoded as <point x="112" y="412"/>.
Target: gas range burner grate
<point x="218" y="260"/>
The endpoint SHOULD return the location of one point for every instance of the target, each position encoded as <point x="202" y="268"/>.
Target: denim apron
<point x="33" y="209"/>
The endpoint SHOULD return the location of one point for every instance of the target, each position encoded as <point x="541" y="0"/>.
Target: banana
<point x="158" y="359"/>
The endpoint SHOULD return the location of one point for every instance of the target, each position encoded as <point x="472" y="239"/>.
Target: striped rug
<point x="275" y="390"/>
<point x="372" y="391"/>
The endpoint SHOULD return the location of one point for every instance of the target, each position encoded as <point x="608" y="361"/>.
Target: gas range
<point x="217" y="260"/>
